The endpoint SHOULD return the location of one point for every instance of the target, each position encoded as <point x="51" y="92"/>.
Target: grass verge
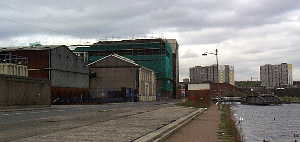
<point x="227" y="131"/>
<point x="290" y="99"/>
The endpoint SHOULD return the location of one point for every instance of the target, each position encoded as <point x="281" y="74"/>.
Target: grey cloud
<point x="250" y="32"/>
<point x="189" y="54"/>
<point x="91" y="18"/>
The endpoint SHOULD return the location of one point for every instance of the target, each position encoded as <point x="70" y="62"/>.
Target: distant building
<point x="199" y="74"/>
<point x="280" y="75"/>
<point x="248" y="84"/>
<point x="69" y="77"/>
<point x="182" y="88"/>
<point x="112" y="73"/>
<point x="214" y="74"/>
<point x="296" y="84"/>
<point x="226" y="74"/>
<point x="186" y="80"/>
<point x="159" y="55"/>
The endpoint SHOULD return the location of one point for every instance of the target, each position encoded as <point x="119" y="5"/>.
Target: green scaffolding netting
<point x="160" y="64"/>
<point x="122" y="46"/>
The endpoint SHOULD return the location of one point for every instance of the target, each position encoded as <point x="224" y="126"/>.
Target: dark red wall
<point x="37" y="59"/>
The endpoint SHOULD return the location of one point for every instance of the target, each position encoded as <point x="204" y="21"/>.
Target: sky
<point x="247" y="33"/>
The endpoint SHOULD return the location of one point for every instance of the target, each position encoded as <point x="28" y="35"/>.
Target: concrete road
<point x="17" y="125"/>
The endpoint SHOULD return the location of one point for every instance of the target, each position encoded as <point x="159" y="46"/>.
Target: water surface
<point x="273" y="123"/>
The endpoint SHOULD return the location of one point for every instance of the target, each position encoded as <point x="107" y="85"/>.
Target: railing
<point x="13" y="59"/>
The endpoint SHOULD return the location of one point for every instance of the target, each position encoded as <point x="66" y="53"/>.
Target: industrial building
<point x="280" y="75"/>
<point x="117" y="76"/>
<point x="15" y="86"/>
<point x="13" y="65"/>
<point x="213" y="74"/>
<point x="175" y="62"/>
<point x="159" y="55"/>
<point x="69" y="77"/>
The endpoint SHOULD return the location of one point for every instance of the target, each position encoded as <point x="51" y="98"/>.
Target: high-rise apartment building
<point x="276" y="75"/>
<point x="221" y="74"/>
<point x="226" y="74"/>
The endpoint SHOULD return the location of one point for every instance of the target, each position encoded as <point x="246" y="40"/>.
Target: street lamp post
<point x="216" y="54"/>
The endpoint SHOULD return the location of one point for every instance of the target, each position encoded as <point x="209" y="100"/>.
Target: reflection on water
<point x="273" y="123"/>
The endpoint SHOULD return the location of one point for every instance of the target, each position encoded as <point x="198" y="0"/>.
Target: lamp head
<point x="204" y="54"/>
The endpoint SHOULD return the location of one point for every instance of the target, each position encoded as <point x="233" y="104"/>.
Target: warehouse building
<point x="69" y="77"/>
<point x="115" y="76"/>
<point x="155" y="54"/>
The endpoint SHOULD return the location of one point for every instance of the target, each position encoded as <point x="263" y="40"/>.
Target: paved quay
<point x="107" y="123"/>
<point x="202" y="129"/>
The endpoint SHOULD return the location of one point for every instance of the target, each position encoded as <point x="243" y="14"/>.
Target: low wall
<point x="203" y="96"/>
<point x="23" y="91"/>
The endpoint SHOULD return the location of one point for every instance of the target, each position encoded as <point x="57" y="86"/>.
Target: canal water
<point x="272" y="123"/>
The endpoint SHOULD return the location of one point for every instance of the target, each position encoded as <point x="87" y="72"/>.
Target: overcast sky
<point x="248" y="33"/>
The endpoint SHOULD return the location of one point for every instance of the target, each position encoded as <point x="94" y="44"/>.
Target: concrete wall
<point x="67" y="69"/>
<point x="114" y="78"/>
<point x="23" y="91"/>
<point x="147" y="85"/>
